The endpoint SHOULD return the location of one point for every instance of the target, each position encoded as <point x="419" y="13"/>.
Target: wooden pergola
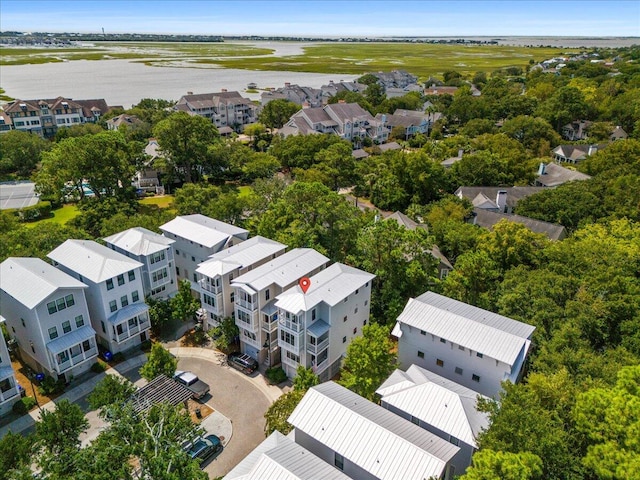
<point x="160" y="389"/>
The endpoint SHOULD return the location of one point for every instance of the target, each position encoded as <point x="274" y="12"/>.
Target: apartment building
<point x="229" y="111"/>
<point x="316" y="327"/>
<point x="9" y="388"/>
<point x="197" y="237"/>
<point x="468" y="345"/>
<point x="255" y="293"/>
<point x="155" y="253"/>
<point x="438" y="405"/>
<point x="47" y="314"/>
<point x="366" y="441"/>
<point x="44" y="117"/>
<point x="114" y="294"/>
<point x="216" y="273"/>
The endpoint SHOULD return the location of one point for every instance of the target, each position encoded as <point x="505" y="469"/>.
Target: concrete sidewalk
<point x="73" y="394"/>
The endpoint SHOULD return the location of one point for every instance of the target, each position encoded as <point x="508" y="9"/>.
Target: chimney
<point x="287" y="84"/>
<point x="501" y="201"/>
<point x="189" y="93"/>
<point x="341" y="101"/>
<point x="330" y="82"/>
<point x="542" y="168"/>
<point x="223" y="90"/>
<point x="306" y="105"/>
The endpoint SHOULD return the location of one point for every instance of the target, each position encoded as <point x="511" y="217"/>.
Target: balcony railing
<point x="10" y="393"/>
<point x="270" y="326"/>
<point x="295" y="327"/>
<point x="210" y="288"/>
<point x="251" y="323"/>
<point x="287" y="361"/>
<point x="249" y="306"/>
<point x="316" y="349"/>
<point x="320" y="367"/>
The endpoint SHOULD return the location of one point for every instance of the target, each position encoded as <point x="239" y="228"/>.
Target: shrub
<point x="276" y="375"/>
<point x="98" y="367"/>
<point x="24" y="405"/>
<point x="49" y="386"/>
<point x="35" y="212"/>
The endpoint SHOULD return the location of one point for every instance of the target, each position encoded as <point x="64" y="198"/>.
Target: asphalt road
<point x="237" y="398"/>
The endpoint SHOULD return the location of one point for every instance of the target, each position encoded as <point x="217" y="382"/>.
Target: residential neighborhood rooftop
<point x="241" y="255"/>
<point x="330" y="286"/>
<point x="92" y="260"/>
<point x="202" y="230"/>
<point x="139" y="241"/>
<point x="380" y="442"/>
<point x="31" y="280"/>
<point x="283" y="270"/>
<point x="487" y="219"/>
<point x="437" y="401"/>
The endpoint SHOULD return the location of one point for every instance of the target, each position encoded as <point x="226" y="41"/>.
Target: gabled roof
<point x="554" y="175"/>
<point x="203" y="230"/>
<point x="241" y="255"/>
<point x="514" y="194"/>
<point x="282" y="270"/>
<point x="487" y="219"/>
<point x="140" y="241"/>
<point x="32" y="280"/>
<point x="92" y="260"/>
<point x="330" y="286"/>
<point x="468" y="326"/>
<point x="437" y="401"/>
<point x="346" y="423"/>
<point x="280" y="458"/>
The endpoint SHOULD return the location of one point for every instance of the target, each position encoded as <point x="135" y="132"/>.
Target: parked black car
<point x="242" y="362"/>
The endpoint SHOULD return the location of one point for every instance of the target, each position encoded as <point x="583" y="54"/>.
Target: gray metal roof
<point x="139" y="241"/>
<point x="203" y="230"/>
<point x="283" y="270"/>
<point x="125" y="313"/>
<point x="555" y="175"/>
<point x="92" y="260"/>
<point x="70" y="339"/>
<point x="437" y="401"/>
<point x="476" y="314"/>
<point x="487" y="219"/>
<point x="241" y="255"/>
<point x="280" y="458"/>
<point x="346" y="423"/>
<point x="464" y="331"/>
<point x="330" y="286"/>
<point x="31" y="280"/>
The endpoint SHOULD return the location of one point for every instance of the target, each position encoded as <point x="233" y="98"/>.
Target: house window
<point x="420" y="354"/>
<point x="60" y="304"/>
<point x="69" y="301"/>
<point x="267" y="294"/>
<point x="355" y="310"/>
<point x="338" y="461"/>
<point x="458" y="370"/>
<point x="422" y="332"/>
<point x="113" y="306"/>
<point x="355" y="330"/>
<point x="177" y="271"/>
<point x="51" y="306"/>
<point x="344" y="339"/>
<point x="313" y="314"/>
<point x="79" y="321"/>
<point x="357" y="291"/>
<point x="120" y="280"/>
<point x="364" y="322"/>
<point x="442" y="340"/>
<point x="233" y="297"/>
<point x="195" y="277"/>
<point x="132" y="276"/>
<point x="134" y="296"/>
<point x="344" y="319"/>
<point x="193" y="259"/>
<point x="366" y="302"/>
<point x="454" y="440"/>
<point x="53" y="333"/>
<point x="439" y="362"/>
<point x="63" y="357"/>
<point x="460" y="347"/>
<point x="104" y="329"/>
<point x="110" y="284"/>
<point x="479" y="355"/>
<point x="475" y="378"/>
<point x="415" y="420"/>
<point x="86" y="345"/>
<point x="66" y="326"/>
<point x="346" y="299"/>
<point x="177" y="252"/>
<point x="124" y="300"/>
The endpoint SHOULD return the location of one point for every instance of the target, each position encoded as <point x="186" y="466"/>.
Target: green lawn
<point x="164" y="201"/>
<point x="61" y="215"/>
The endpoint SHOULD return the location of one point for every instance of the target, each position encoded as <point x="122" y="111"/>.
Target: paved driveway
<point x="236" y="397"/>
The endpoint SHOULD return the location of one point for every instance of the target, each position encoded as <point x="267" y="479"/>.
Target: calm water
<point x="121" y="82"/>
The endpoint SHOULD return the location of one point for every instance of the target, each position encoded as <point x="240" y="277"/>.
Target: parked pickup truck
<point x="193" y="383"/>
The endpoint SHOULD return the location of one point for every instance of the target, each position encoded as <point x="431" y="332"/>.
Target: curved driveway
<point x="237" y="397"/>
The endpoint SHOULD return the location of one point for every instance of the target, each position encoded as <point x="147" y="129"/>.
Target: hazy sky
<point x="587" y="18"/>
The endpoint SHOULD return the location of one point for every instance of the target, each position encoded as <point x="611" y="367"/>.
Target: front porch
<point x="72" y="349"/>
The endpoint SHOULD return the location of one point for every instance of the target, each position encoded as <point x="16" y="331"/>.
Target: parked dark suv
<point x="205" y="447"/>
<point x="242" y="362"/>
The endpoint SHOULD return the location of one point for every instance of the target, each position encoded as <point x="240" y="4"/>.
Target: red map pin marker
<point x="304" y="283"/>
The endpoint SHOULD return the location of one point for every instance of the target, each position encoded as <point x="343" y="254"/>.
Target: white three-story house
<point x="9" y="391"/>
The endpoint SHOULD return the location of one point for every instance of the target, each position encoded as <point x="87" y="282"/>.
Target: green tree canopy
<point x="20" y="153"/>
<point x="491" y="465"/>
<point x="159" y="362"/>
<point x="280" y="410"/>
<point x="277" y="112"/>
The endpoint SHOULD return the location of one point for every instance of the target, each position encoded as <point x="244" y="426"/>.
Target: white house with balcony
<point x="115" y="295"/>
<point x="438" y="405"/>
<point x="316" y="327"/>
<point x="216" y="273"/>
<point x="47" y="314"/>
<point x="366" y="441"/>
<point x="255" y="292"/>
<point x="197" y="237"/>
<point x="155" y="252"/>
<point x="9" y="388"/>
<point x="468" y="345"/>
